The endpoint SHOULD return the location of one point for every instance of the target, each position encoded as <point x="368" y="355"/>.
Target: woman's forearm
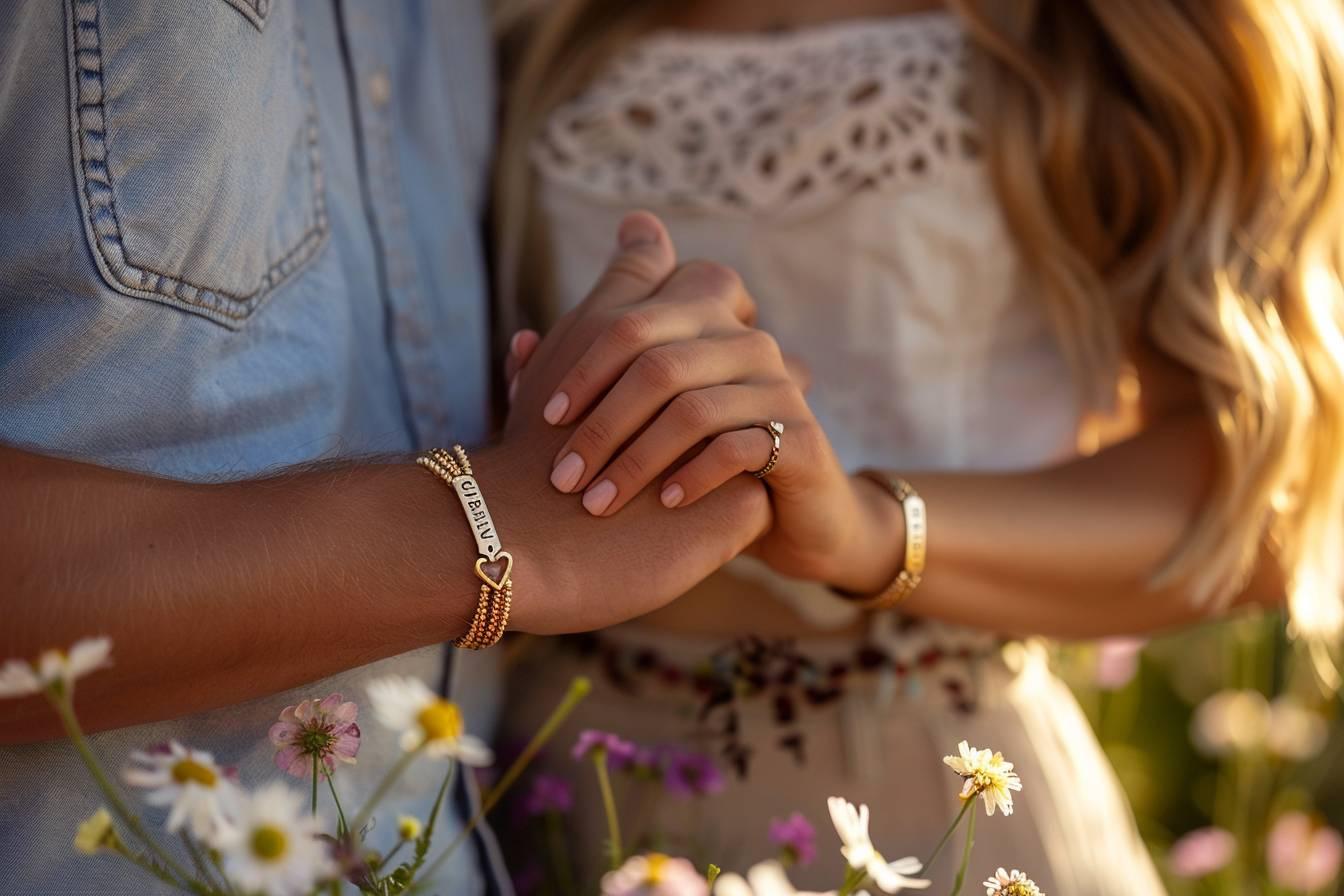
<point x="1069" y="551"/>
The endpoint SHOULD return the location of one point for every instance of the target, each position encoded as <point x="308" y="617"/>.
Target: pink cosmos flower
<point x="322" y="729"/>
<point x="1303" y="856"/>
<point x="1202" y="852"/>
<point x="620" y="752"/>
<point x="796" y="837"/>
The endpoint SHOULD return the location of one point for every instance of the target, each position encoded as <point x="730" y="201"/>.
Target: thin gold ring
<point x="776" y="430"/>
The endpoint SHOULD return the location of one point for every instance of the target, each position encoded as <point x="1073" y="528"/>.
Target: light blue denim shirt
<point x="236" y="235"/>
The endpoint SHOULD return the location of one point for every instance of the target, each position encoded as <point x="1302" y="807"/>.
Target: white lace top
<point x="836" y="169"/>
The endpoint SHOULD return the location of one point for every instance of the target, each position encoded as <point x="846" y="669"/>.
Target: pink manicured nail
<point x="567" y="473"/>
<point x="513" y="343"/>
<point x="555" y="409"/>
<point x="672" y="495"/>
<point x="598" y="498"/>
<point x="635" y="231"/>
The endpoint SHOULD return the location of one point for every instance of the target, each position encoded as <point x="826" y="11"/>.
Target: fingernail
<point x="598" y="498"/>
<point x="513" y="343"/>
<point x="636" y="231"/>
<point x="513" y="388"/>
<point x="672" y="495"/>
<point x="567" y="473"/>
<point x="555" y="409"/>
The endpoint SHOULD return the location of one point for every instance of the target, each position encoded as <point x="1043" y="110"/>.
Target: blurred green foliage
<point x="1236" y="764"/>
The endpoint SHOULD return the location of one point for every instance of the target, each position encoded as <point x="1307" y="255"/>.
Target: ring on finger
<point x="776" y="430"/>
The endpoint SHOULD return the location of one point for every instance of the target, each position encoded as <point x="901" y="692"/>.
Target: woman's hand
<point x="676" y="383"/>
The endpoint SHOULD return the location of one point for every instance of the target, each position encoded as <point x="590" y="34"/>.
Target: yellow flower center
<point x="189" y="770"/>
<point x="657" y="868"/>
<point x="268" y="842"/>
<point x="408" y="828"/>
<point x="441" y="720"/>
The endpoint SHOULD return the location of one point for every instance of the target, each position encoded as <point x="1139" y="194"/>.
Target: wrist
<point x="540" y="573"/>
<point x="441" y="579"/>
<point x="874" y="553"/>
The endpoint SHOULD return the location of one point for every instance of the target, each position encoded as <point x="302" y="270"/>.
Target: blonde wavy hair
<point x="1171" y="171"/>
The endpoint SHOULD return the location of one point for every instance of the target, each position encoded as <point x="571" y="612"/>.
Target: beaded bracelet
<point x="494" y="566"/>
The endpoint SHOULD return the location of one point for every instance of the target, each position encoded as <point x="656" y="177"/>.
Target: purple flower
<point x="549" y="793"/>
<point x="647" y="763"/>
<point x="691" y="774"/>
<point x="1202" y="852"/>
<point x="796" y="837"/>
<point x="620" y="753"/>
<point x="325" y="730"/>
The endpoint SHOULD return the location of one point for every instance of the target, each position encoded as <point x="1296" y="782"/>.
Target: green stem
<point x="947" y="835"/>
<point x="341" y="827"/>
<point x="712" y="874"/>
<point x="387" y="859"/>
<point x="614" y="851"/>
<point x="578" y="689"/>
<point x="555" y="841"/>
<point x="199" y="861"/>
<point x="427" y="836"/>
<point x="444" y="785"/>
<point x="395" y="772"/>
<point x="148" y="866"/>
<point x="228" y="884"/>
<point x="314" y="783"/>
<point x="965" y="856"/>
<point x="854" y="878"/>
<point x="66" y="710"/>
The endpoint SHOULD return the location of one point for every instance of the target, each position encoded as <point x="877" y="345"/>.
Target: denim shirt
<point x="236" y="235"/>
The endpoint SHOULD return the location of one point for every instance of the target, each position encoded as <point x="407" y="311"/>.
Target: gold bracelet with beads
<point x="494" y="566"/>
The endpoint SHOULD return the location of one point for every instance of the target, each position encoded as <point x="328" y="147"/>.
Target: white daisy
<point x="198" y="790"/>
<point x="857" y="848"/>
<point x="272" y="848"/>
<point x="423" y="717"/>
<point x="54" y="668"/>
<point x="987" y="776"/>
<point x="765" y="879"/>
<point x="1011" y="883"/>
<point x="654" y="875"/>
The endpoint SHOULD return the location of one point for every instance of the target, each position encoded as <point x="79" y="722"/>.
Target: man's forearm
<point x="215" y="594"/>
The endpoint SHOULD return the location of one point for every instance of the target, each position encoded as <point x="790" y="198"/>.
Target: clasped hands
<point x="642" y="403"/>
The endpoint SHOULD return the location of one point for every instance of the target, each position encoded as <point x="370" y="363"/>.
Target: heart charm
<point x="495" y="573"/>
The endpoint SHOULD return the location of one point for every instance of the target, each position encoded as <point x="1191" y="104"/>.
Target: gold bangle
<point x="494" y="566"/>
<point x="916" y="542"/>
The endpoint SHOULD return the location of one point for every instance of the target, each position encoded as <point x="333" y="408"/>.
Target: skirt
<point x="870" y="741"/>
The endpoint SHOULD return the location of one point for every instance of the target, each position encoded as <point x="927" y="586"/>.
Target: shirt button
<point x="380" y="88"/>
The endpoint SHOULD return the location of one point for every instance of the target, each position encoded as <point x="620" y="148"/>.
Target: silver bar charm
<point x="482" y="526"/>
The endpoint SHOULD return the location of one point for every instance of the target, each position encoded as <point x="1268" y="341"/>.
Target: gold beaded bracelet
<point x="494" y="566"/>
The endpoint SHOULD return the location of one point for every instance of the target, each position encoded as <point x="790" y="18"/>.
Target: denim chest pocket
<point x="195" y="149"/>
